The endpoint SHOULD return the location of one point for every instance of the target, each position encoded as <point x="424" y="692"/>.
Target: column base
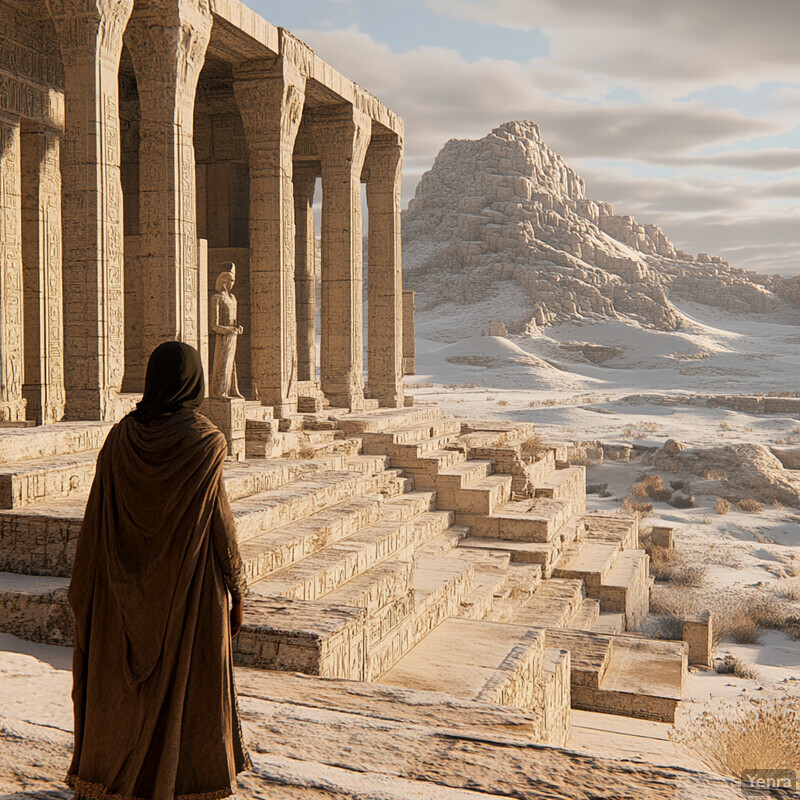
<point x="387" y="396"/>
<point x="227" y="413"/>
<point x="350" y="402"/>
<point x="13" y="411"/>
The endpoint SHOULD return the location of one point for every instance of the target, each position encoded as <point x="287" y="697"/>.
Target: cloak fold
<point x="155" y="708"/>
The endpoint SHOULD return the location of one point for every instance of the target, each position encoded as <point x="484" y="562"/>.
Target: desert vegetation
<point x="753" y="733"/>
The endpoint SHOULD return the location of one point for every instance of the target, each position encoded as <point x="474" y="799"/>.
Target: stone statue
<point x="224" y="323"/>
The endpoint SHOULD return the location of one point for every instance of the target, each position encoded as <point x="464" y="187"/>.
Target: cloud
<point x="677" y="46"/>
<point x="775" y="159"/>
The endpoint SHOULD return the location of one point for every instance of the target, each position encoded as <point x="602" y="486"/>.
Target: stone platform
<point x="392" y="545"/>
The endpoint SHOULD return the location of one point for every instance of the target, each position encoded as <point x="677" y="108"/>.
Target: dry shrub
<point x="533" y="446"/>
<point x="688" y="575"/>
<point x="664" y="627"/>
<point x="791" y="591"/>
<point x="748" y="504"/>
<point x="502" y="402"/>
<point x="676" y="602"/>
<point x="740" y="618"/>
<point x="753" y="733"/>
<point x="652" y="486"/>
<point x="729" y="664"/>
<point x="722" y="506"/>
<point x="634" y="507"/>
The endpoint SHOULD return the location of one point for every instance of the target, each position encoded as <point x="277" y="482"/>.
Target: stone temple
<point x="442" y="564"/>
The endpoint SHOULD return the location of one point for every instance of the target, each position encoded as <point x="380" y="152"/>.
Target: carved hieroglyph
<point x="43" y="385"/>
<point x="223" y="321"/>
<point x="90" y="36"/>
<point x="167" y="40"/>
<point x="12" y="405"/>
<point x="342" y="135"/>
<point x="270" y="95"/>
<point x="383" y="167"/>
<point x="305" y="178"/>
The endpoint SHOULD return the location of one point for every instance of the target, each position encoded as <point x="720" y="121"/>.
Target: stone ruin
<point x="507" y="209"/>
<point x="389" y="550"/>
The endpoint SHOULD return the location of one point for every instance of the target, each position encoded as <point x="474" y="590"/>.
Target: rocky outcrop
<point x="507" y="208"/>
<point x="735" y="471"/>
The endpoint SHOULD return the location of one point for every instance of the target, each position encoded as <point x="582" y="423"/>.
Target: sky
<point x="683" y="113"/>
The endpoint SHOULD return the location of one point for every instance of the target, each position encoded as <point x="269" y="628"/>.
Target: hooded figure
<point x="155" y="709"/>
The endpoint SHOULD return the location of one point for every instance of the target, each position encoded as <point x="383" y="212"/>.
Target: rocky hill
<point x="507" y="208"/>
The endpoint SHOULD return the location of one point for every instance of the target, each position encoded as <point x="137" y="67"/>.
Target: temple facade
<point x="145" y="142"/>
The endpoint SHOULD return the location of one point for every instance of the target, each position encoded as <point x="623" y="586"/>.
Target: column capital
<point x="87" y="31"/>
<point x="342" y="134"/>
<point x="168" y="41"/>
<point x="384" y="160"/>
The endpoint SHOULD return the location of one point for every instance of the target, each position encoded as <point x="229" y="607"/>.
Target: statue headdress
<point x="228" y="270"/>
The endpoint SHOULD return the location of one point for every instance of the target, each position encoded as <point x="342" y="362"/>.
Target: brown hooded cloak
<point x="155" y="709"/>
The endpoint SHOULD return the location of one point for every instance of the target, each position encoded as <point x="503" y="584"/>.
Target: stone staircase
<point x="402" y="547"/>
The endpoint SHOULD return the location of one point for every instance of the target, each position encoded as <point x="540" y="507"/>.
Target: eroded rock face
<point x="735" y="472"/>
<point x="507" y="208"/>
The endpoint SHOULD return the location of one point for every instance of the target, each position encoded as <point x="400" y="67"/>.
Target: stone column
<point x="342" y="135"/>
<point x="42" y="279"/>
<point x="12" y="354"/>
<point x="270" y="94"/>
<point x="167" y="40"/>
<point x="90" y="37"/>
<point x="305" y="178"/>
<point x="385" y="285"/>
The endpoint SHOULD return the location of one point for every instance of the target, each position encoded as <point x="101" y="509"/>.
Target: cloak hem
<point x="96" y="791"/>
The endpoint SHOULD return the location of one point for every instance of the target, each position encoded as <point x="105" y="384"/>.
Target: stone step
<point x="364" y="463"/>
<point x="490" y="581"/>
<point x="522" y="580"/>
<point x="282" y="547"/>
<point x="265" y="511"/>
<point x="24" y="483"/>
<point x="376" y="442"/>
<point x="388" y="419"/>
<point x="425" y="469"/>
<point x="612" y="529"/>
<point x="565" y="484"/>
<point x="553" y="605"/>
<point x="376" y="588"/>
<point x="545" y="554"/>
<point x="644" y="678"/>
<point x="320" y="573"/>
<point x="609" y="622"/>
<point x="440" y="587"/>
<point x="536" y="520"/>
<point x="49" y="441"/>
<point x="502" y="664"/>
<point x="407" y="455"/>
<point x="626" y="588"/>
<point x="463" y="476"/>
<point x="586" y="616"/>
<point x="245" y="478"/>
<point x="36" y="609"/>
<point x="590" y="654"/>
<point x="336" y="560"/>
<point x="40" y="539"/>
<point x="589" y="560"/>
<point x="481" y="498"/>
<point x="446" y="541"/>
